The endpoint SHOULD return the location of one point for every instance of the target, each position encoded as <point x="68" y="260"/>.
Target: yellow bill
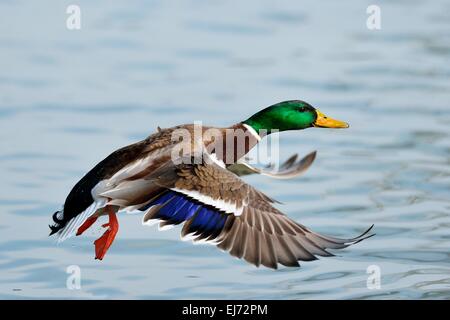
<point x="323" y="121"/>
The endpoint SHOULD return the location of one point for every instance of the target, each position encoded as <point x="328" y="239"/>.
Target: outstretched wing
<point x="289" y="169"/>
<point x="218" y="206"/>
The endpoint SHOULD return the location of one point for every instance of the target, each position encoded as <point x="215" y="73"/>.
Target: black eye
<point x="301" y="109"/>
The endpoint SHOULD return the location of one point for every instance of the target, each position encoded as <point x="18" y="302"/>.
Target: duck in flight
<point x="198" y="184"/>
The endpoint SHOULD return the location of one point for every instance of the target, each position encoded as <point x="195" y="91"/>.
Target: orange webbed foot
<point x="103" y="243"/>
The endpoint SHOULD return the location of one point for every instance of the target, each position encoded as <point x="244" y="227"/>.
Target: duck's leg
<point x="89" y="222"/>
<point x="103" y="243"/>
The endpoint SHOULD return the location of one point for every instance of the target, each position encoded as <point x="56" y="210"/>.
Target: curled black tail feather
<point x="59" y="223"/>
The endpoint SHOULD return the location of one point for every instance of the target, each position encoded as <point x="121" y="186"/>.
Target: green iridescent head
<point x="291" y="115"/>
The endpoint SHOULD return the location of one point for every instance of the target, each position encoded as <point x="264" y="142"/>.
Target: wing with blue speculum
<point x="216" y="205"/>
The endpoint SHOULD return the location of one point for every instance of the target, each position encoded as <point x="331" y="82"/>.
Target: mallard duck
<point x="195" y="185"/>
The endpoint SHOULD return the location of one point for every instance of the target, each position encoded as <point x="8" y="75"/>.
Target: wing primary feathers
<point x="289" y="162"/>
